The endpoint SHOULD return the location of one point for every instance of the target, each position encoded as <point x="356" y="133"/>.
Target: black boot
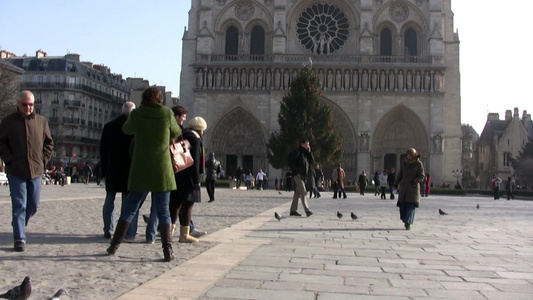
<point x="166" y="240"/>
<point x="118" y="236"/>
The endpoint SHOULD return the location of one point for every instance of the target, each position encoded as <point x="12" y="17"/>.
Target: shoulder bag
<point x="180" y="153"/>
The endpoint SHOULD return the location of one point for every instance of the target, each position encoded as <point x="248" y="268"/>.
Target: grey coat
<point x="408" y="181"/>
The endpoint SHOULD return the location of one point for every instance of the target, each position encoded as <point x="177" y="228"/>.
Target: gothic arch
<point x="227" y="13"/>
<point x="238" y="132"/>
<point x="420" y="34"/>
<point x="398" y="130"/>
<point x="345" y="128"/>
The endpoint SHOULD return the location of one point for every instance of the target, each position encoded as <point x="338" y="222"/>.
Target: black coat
<point x="188" y="179"/>
<point x="114" y="155"/>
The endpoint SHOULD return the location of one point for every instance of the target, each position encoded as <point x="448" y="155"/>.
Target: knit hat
<point x="198" y="123"/>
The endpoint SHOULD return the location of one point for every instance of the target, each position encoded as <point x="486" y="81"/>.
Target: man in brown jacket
<point x="25" y="146"/>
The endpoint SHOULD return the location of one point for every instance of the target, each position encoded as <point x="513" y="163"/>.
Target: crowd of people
<point x="135" y="161"/>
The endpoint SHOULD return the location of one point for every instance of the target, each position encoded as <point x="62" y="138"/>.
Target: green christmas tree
<point x="303" y="116"/>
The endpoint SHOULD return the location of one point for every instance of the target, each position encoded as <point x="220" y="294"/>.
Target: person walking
<point x="87" y="173"/>
<point x="391" y="178"/>
<point x="362" y="183"/>
<point x="428" y="185"/>
<point x="25" y="147"/>
<point x="238" y="176"/>
<point x="152" y="125"/>
<point x="300" y="162"/>
<point x="188" y="179"/>
<point x="319" y="179"/>
<point x="496" y="181"/>
<point x="338" y="178"/>
<point x="212" y="167"/>
<point x="115" y="167"/>
<point x="259" y="178"/>
<point x="510" y="186"/>
<point x="376" y="183"/>
<point x="383" y="183"/>
<point x="248" y="177"/>
<point x="408" y="184"/>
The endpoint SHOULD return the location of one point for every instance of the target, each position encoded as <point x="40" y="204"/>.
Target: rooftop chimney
<point x="6" y="54"/>
<point x="508" y="115"/>
<point x="73" y="56"/>
<point x="40" y="53"/>
<point x="516" y="115"/>
<point x="493" y="117"/>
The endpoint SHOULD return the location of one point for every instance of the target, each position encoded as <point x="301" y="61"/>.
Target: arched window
<point x="411" y="42"/>
<point x="385" y="41"/>
<point x="257" y="41"/>
<point x="232" y="41"/>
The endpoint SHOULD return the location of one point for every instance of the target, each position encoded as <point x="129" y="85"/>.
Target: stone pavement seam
<point x="196" y="276"/>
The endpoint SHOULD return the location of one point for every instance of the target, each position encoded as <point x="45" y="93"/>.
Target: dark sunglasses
<point x="26" y="104"/>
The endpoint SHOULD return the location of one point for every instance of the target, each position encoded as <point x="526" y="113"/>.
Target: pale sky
<point x="143" y="39"/>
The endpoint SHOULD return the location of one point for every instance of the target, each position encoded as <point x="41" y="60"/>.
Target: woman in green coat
<point x="152" y="125"/>
<point x="408" y="183"/>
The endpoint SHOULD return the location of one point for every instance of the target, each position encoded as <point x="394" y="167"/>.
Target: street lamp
<point x="458" y="174"/>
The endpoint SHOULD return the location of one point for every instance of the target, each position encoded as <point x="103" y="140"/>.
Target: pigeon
<point x="477" y="206"/>
<point x="354" y="217"/>
<point x="58" y="294"/>
<point x="441" y="212"/>
<point x="277" y="216"/>
<point x="21" y="292"/>
<point x="279" y="192"/>
<point x="339" y="215"/>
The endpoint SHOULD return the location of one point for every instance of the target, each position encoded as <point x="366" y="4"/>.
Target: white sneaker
<point x="197" y="233"/>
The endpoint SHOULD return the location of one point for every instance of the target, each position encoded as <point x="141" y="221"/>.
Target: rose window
<point x="323" y="28"/>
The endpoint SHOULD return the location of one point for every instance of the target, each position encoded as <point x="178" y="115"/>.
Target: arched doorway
<point x="396" y="131"/>
<point x="238" y="140"/>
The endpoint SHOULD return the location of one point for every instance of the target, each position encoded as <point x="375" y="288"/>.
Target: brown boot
<point x="166" y="240"/>
<point x="118" y="236"/>
<point x="185" y="237"/>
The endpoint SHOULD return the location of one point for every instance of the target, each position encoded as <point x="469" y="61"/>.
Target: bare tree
<point x="9" y="88"/>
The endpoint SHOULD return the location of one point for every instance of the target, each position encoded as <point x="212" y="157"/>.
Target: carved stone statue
<point x="417" y="81"/>
<point x="364" y="80"/>
<point x="346" y="85"/>
<point x="392" y="86"/>
<point x="260" y="79"/>
<point x="355" y="80"/>
<point x="218" y="79"/>
<point x="374" y="80"/>
<point x="338" y="80"/>
<point x="409" y="81"/>
<point x="427" y="81"/>
<point x="200" y="79"/>
<point x="251" y="79"/>
<point x="382" y="81"/>
<point x="401" y="84"/>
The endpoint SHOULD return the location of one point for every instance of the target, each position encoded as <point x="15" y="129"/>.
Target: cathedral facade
<point x="388" y="68"/>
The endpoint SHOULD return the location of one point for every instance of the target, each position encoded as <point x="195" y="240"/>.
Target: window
<point x="481" y="166"/>
<point x="232" y="41"/>
<point x="385" y="42"/>
<point x="506" y="159"/>
<point x="411" y="41"/>
<point x="257" y="41"/>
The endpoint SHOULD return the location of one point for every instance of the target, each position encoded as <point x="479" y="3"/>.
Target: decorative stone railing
<point x="335" y="73"/>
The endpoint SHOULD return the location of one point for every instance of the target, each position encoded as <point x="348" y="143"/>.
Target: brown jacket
<point x="25" y="145"/>
<point x="408" y="181"/>
<point x="339" y="175"/>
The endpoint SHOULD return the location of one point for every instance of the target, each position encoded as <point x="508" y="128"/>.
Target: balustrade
<point x="421" y="79"/>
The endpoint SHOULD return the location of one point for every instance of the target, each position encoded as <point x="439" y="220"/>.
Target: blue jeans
<point x="151" y="227"/>
<point x="108" y="209"/>
<point x="25" y="198"/>
<point x="159" y="200"/>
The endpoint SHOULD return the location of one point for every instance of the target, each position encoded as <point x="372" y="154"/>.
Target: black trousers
<point x="210" y="187"/>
